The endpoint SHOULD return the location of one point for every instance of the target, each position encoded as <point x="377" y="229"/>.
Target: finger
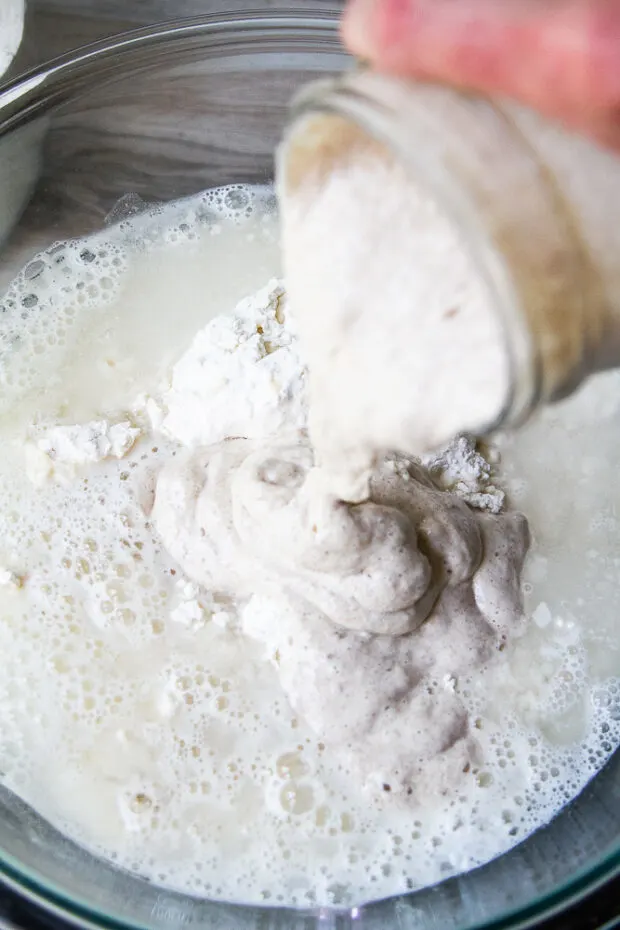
<point x="559" y="56"/>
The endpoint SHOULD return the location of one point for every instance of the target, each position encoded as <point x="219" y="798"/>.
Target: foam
<point x="168" y="747"/>
<point x="62" y="325"/>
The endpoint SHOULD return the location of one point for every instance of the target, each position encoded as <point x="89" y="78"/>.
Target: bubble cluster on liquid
<point x="50" y="300"/>
<point x="166" y="744"/>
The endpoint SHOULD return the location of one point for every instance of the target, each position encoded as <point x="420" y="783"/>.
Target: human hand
<point x="560" y="57"/>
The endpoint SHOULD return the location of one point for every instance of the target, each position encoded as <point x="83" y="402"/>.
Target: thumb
<point x="561" y="57"/>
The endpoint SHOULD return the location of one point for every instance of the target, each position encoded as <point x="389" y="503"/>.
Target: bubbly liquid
<point x="171" y="750"/>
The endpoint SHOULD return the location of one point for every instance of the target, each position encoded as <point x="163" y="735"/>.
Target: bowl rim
<point x="29" y="96"/>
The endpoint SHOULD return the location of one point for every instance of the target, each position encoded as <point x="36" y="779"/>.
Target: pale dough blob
<point x="339" y="593"/>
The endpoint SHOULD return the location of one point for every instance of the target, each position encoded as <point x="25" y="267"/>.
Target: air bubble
<point x="290" y="766"/>
<point x="297" y="799"/>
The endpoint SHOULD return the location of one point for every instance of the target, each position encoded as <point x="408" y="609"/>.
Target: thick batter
<point x="209" y="691"/>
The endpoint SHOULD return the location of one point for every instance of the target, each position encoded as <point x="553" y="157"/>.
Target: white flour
<point x="242" y="376"/>
<point x="171" y="726"/>
<point x="462" y="469"/>
<point x="60" y="450"/>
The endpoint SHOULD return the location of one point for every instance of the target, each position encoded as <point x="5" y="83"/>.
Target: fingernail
<point x="358" y="25"/>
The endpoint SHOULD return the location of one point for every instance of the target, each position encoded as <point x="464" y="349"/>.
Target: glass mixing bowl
<point x="162" y="113"/>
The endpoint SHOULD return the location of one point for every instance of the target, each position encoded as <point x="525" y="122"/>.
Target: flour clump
<point x="60" y="450"/>
<point x="242" y="376"/>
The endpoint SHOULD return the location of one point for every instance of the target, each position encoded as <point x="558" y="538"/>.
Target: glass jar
<point x="534" y="205"/>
